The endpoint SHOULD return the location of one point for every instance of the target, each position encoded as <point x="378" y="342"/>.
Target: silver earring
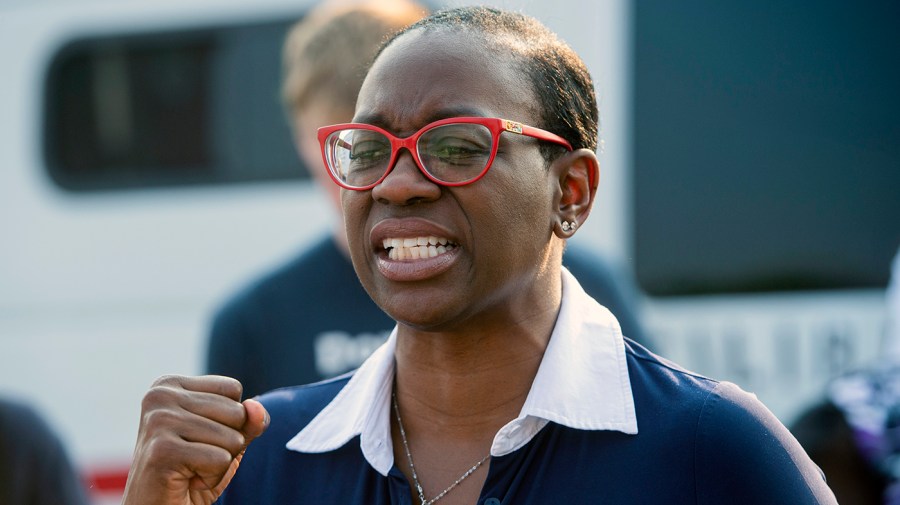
<point x="566" y="226"/>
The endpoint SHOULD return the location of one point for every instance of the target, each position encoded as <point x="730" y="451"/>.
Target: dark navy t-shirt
<point x="699" y="442"/>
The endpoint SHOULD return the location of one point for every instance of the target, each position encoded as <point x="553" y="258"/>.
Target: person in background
<point x="292" y="326"/>
<point x="34" y="466"/>
<point x="853" y="433"/>
<point x="470" y="163"/>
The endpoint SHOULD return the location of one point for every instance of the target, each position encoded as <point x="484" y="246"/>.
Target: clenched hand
<point x="192" y="436"/>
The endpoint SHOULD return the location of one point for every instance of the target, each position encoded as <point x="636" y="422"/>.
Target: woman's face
<point x="498" y="229"/>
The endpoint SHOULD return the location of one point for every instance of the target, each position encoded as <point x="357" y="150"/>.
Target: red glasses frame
<point x="496" y="126"/>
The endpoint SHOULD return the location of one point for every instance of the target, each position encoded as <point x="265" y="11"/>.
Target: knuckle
<point x="221" y="458"/>
<point x="236" y="443"/>
<point x="167" y="380"/>
<point x="161" y="448"/>
<point x="230" y="387"/>
<point x="156" y="396"/>
<point x="156" y="419"/>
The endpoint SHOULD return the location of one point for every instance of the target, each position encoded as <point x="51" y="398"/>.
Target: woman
<point x="470" y="163"/>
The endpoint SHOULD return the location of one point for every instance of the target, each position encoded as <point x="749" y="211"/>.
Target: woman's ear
<point x="578" y="174"/>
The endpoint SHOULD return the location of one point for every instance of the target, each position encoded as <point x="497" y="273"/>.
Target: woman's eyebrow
<point x="372" y="119"/>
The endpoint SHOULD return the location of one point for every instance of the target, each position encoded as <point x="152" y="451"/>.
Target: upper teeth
<point x="416" y="247"/>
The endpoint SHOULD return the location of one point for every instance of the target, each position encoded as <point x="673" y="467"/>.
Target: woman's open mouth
<point x="414" y="248"/>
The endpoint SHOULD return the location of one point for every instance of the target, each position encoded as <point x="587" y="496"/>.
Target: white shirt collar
<point x="582" y="383"/>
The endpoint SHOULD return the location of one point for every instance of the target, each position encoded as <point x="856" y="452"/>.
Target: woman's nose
<point x="405" y="183"/>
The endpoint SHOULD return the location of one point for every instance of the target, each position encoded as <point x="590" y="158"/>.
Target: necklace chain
<point x="412" y="467"/>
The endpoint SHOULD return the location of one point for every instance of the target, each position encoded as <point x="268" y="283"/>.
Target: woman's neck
<point x="470" y="384"/>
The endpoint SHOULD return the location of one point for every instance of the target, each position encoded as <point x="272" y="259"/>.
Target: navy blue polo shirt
<point x="667" y="436"/>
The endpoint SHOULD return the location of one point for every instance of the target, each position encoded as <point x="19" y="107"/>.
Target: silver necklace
<point x="412" y="467"/>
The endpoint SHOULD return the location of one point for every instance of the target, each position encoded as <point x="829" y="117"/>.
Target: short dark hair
<point x="561" y="82"/>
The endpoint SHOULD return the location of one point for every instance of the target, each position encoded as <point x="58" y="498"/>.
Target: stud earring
<point x="567" y="226"/>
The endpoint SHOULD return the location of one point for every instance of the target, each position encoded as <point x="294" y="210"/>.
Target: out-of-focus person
<point x="292" y="325"/>
<point x="853" y="434"/>
<point x="35" y="468"/>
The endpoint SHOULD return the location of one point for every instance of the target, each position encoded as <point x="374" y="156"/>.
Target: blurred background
<point x="750" y="189"/>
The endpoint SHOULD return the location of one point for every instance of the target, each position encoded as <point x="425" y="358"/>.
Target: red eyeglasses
<point x="451" y="152"/>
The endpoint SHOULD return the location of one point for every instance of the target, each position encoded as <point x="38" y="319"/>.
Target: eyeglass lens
<point x="454" y="153"/>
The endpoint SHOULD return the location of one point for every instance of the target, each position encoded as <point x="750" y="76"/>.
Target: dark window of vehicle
<point x="170" y="108"/>
<point x="766" y="145"/>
